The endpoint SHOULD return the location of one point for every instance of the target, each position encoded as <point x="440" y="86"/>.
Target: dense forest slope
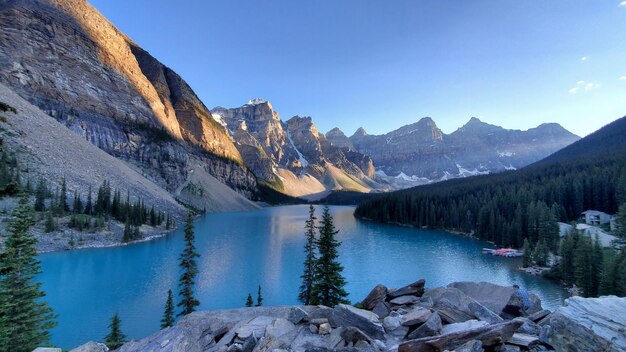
<point x="508" y="207"/>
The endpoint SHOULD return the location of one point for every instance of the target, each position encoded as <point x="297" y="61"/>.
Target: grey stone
<point x="393" y="326"/>
<point x="589" y="324"/>
<point x="296" y="315"/>
<point x="489" y="335"/>
<point x="324" y="329"/>
<point x="279" y="327"/>
<point x="470" y="346"/>
<point x="255" y="327"/>
<point x="466" y="325"/>
<point x="415" y="289"/>
<point x="321" y="312"/>
<point x="484" y="314"/>
<point x="235" y="347"/>
<point x="249" y="344"/>
<point x="335" y="340"/>
<point x="361" y="344"/>
<point x="379" y="345"/>
<point x="404" y="300"/>
<point x="313" y="328"/>
<point x="524" y="340"/>
<point x="346" y="315"/>
<point x="544" y="334"/>
<point x="353" y="335"/>
<point x="529" y="327"/>
<point x="537" y="316"/>
<point x="493" y="297"/>
<point x="508" y="348"/>
<point x="381" y="309"/>
<point x="416" y="316"/>
<point x="375" y="296"/>
<point x="431" y="327"/>
<point x="91" y="346"/>
<point x="47" y="349"/>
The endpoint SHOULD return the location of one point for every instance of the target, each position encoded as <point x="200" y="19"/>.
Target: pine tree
<point x="541" y="253"/>
<point x="168" y="313"/>
<point x="63" y="206"/>
<point x="621" y="221"/>
<point x="25" y="318"/>
<point x="77" y="206"/>
<point x="249" y="301"/>
<point x="310" y="258"/>
<point x="583" y="266"/>
<point x="40" y="195"/>
<point x="51" y="224"/>
<point x="259" y="297"/>
<point x="89" y="204"/>
<point x="115" y="339"/>
<point x="329" y="282"/>
<point x="190" y="270"/>
<point x="527" y="258"/>
<point x="128" y="232"/>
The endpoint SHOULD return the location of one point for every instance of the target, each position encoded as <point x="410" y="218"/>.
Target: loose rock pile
<point x="463" y="316"/>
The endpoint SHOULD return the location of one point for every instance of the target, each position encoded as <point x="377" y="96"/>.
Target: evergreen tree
<point x="115" y="339"/>
<point x="527" y="258"/>
<point x="190" y="270"/>
<point x="128" y="232"/>
<point x="40" y="195"/>
<point x="249" y="301"/>
<point x="310" y="259"/>
<point x="329" y="284"/>
<point x="168" y="313"/>
<point x="77" y="206"/>
<point x="89" y="204"/>
<point x="51" y="223"/>
<point x="63" y="206"/>
<point x="541" y="253"/>
<point x="259" y="297"/>
<point x="621" y="221"/>
<point x="25" y="318"/>
<point x="583" y="266"/>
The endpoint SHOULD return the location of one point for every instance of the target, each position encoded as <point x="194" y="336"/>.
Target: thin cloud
<point x="584" y="86"/>
<point x="584" y="58"/>
<point x="623" y="78"/>
<point x="622" y="4"/>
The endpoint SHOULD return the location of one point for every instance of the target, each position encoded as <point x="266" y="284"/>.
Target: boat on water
<point x="503" y="252"/>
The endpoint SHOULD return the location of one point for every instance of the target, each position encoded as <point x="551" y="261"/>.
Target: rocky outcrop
<point x="421" y="153"/>
<point x="64" y="57"/>
<point x="414" y="326"/>
<point x="588" y="324"/>
<point x="339" y="139"/>
<point x="293" y="156"/>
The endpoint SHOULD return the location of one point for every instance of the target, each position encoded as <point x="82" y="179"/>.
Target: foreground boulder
<point x="368" y="322"/>
<point x="488" y="335"/>
<point x="589" y="324"/>
<point x="91" y="347"/>
<point x="493" y="297"/>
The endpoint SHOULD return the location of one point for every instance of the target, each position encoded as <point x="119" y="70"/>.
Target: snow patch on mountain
<point x="466" y="173"/>
<point x="256" y="101"/>
<point x="505" y="154"/>
<point x="301" y="157"/>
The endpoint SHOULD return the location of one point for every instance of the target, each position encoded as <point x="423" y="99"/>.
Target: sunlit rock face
<point x="66" y="58"/>
<point x="293" y="155"/>
<point x="421" y="151"/>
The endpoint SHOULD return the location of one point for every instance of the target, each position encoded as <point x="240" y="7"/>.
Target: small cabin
<point x="595" y="217"/>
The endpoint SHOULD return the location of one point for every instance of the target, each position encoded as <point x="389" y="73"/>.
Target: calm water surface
<point x="240" y="251"/>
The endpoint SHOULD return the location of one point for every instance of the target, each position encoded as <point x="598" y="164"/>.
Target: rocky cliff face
<point x="78" y="68"/>
<point x="293" y="156"/>
<point x="421" y="152"/>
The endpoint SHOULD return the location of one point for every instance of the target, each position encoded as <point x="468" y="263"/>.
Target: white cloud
<point x="584" y="58"/>
<point x="584" y="86"/>
<point x="623" y="78"/>
<point x="622" y="4"/>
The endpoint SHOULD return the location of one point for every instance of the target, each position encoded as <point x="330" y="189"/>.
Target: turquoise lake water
<point x="240" y="251"/>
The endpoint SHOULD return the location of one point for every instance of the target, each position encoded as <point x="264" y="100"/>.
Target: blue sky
<point x="384" y="64"/>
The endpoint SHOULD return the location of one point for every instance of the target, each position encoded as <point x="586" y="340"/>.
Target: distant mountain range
<point x="67" y="60"/>
<point x="421" y="152"/>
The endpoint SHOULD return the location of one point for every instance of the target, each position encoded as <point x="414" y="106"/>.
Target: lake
<point x="242" y="250"/>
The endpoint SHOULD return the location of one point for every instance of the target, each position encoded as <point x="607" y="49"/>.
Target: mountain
<point x="65" y="58"/>
<point x="422" y="153"/>
<point x="512" y="206"/>
<point x="292" y="156"/>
